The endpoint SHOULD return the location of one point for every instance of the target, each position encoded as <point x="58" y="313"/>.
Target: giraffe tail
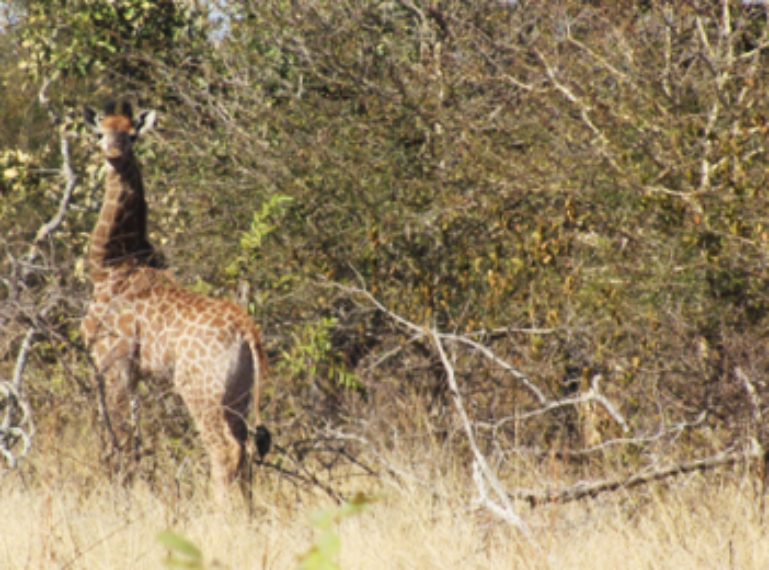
<point x="262" y="437"/>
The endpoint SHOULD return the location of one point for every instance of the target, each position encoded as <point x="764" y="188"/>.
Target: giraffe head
<point x="118" y="130"/>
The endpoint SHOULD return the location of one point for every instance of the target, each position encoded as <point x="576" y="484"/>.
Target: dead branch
<point x="499" y="362"/>
<point x="664" y="431"/>
<point x="491" y="493"/>
<point x="585" y="111"/>
<point x="70" y="180"/>
<point x="16" y="425"/>
<point x="583" y="489"/>
<point x="421" y="332"/>
<point x="756" y="441"/>
<point x="482" y="472"/>
<point x="755" y="401"/>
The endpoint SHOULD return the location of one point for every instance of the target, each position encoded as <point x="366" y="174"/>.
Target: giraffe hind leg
<point x="228" y="454"/>
<point x="235" y="404"/>
<point x="225" y="452"/>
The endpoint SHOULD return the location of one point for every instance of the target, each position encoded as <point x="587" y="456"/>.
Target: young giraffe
<point x="140" y="322"/>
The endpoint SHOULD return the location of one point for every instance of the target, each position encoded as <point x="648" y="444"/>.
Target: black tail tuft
<point x="263" y="440"/>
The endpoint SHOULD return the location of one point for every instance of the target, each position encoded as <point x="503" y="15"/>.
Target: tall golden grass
<point x="58" y="513"/>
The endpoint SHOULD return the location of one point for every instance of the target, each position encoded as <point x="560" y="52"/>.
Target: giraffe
<point x="141" y="323"/>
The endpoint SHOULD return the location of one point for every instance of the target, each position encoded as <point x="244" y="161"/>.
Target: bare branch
<point x="421" y="331"/>
<point x="595" y="395"/>
<point x="757" y="445"/>
<point x="622" y="76"/>
<point x="755" y="401"/>
<point x="70" y="180"/>
<point x="584" y="110"/>
<point x="482" y="472"/>
<point x="494" y="358"/>
<point x="16" y="424"/>
<point x="21" y="359"/>
<point x="42" y="97"/>
<point x="584" y="489"/>
<point x="591" y="395"/>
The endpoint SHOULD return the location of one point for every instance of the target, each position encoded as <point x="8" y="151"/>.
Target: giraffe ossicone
<point x="140" y="322"/>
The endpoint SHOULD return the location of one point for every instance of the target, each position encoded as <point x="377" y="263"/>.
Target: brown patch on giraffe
<point x="217" y="322"/>
<point x="125" y="323"/>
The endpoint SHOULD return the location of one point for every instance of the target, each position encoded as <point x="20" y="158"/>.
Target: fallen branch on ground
<point x="590" y="490"/>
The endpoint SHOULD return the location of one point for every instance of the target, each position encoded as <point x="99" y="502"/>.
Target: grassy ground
<point x="55" y="515"/>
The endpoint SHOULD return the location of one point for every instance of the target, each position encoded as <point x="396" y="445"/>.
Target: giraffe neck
<point x="120" y="234"/>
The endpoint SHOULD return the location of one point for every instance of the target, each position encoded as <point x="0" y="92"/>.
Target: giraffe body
<point x="141" y="323"/>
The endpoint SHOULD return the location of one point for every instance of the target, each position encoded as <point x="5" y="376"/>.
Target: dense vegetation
<point x="570" y="196"/>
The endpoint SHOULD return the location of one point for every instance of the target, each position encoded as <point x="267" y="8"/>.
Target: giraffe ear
<point x="145" y="121"/>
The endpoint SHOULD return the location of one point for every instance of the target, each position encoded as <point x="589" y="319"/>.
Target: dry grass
<point x="55" y="515"/>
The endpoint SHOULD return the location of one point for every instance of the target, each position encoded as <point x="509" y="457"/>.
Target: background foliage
<point x="579" y="187"/>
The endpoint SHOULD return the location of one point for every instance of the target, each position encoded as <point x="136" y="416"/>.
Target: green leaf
<point x="184" y="554"/>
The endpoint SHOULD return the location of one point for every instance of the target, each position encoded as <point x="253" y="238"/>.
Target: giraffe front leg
<point x="120" y="381"/>
<point x="120" y="429"/>
<point x="114" y="377"/>
<point x="112" y="360"/>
